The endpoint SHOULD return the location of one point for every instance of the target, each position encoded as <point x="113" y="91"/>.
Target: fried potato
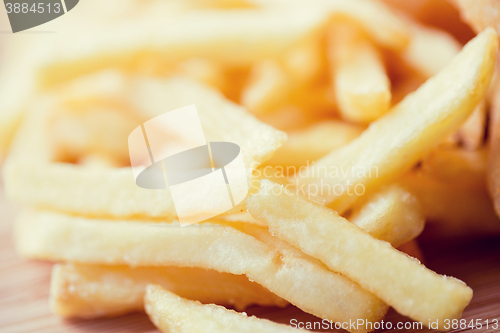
<point x="62" y="186"/>
<point x="452" y="211"/>
<point x="456" y="167"/>
<point x="493" y="172"/>
<point x="90" y="291"/>
<point x="362" y="88"/>
<point x="430" y="49"/>
<point x="174" y="314"/>
<point x="392" y="215"/>
<point x="268" y="85"/>
<point x="307" y="145"/>
<point x="378" y="20"/>
<point x="285" y="271"/>
<point x="480" y="14"/>
<point x="235" y="37"/>
<point x="403" y="283"/>
<point x="395" y="142"/>
<point x="16" y="89"/>
<point x="273" y="82"/>
<point x="472" y="132"/>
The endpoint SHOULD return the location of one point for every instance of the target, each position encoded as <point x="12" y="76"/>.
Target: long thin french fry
<point x="286" y="272"/>
<point x="393" y="215"/>
<point x="305" y="146"/>
<point x="405" y="284"/>
<point x="173" y="314"/>
<point x="376" y="18"/>
<point x="90" y="291"/>
<point x="60" y="185"/>
<point x="361" y="85"/>
<point x="395" y="142"/>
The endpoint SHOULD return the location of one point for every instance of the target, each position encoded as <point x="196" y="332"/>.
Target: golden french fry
<point x="236" y="38"/>
<point x="90" y="291"/>
<point x="472" y="132"/>
<point x="269" y="85"/>
<point x="358" y="74"/>
<point x="16" y="89"/>
<point x="430" y="49"/>
<point x="403" y="283"/>
<point x="480" y="14"/>
<point x="60" y="186"/>
<point x="395" y="142"/>
<point x="392" y="215"/>
<point x="456" y="167"/>
<point x="453" y="211"/>
<point x="173" y="314"/>
<point x="283" y="270"/>
<point x="376" y="18"/>
<point x="307" y="145"/>
<point x="273" y="82"/>
<point x="493" y="172"/>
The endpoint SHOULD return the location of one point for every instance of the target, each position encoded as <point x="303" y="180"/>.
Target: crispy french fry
<point x="377" y="19"/>
<point x="393" y="215"/>
<point x="414" y="290"/>
<point x="453" y="211"/>
<point x="235" y="37"/>
<point x="90" y="291"/>
<point x="273" y="82"/>
<point x="493" y="172"/>
<point x="395" y="142"/>
<point x="430" y="49"/>
<point x="360" y="81"/>
<point x="60" y="186"/>
<point x="269" y="85"/>
<point x="16" y="88"/>
<point x="456" y="167"/>
<point x="307" y="145"/>
<point x="472" y="132"/>
<point x="173" y="314"/>
<point x="286" y="272"/>
<point x="480" y="14"/>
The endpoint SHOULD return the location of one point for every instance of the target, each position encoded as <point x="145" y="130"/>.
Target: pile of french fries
<point x="357" y="123"/>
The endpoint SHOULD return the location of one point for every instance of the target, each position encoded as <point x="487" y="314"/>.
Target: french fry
<point x="395" y="142"/>
<point x="456" y="167"/>
<point x="392" y="215"/>
<point x="360" y="82"/>
<point x="235" y="37"/>
<point x="15" y="94"/>
<point x="60" y="185"/>
<point x="269" y="85"/>
<point x="428" y="52"/>
<point x="472" y="132"/>
<point x="307" y="145"/>
<point x="430" y="49"/>
<point x="377" y="19"/>
<point x="173" y="314"/>
<point x="493" y="172"/>
<point x="273" y="82"/>
<point x="401" y="282"/>
<point x="452" y="211"/>
<point x="286" y="272"/>
<point x="480" y="14"/>
<point x="451" y="187"/>
<point x="90" y="291"/>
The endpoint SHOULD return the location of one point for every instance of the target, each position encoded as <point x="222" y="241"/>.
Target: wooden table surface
<point x="24" y="288"/>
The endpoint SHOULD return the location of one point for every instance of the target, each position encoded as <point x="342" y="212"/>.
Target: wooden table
<point x="24" y="288"/>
